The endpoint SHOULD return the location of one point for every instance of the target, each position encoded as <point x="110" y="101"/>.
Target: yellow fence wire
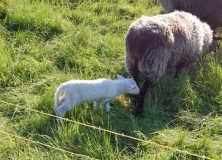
<point x="112" y="132"/>
<point x="43" y="144"/>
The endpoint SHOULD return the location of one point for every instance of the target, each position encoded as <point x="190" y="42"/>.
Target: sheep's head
<point x="130" y="85"/>
<point x="132" y="88"/>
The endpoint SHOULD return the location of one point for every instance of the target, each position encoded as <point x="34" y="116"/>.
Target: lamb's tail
<point x="57" y="95"/>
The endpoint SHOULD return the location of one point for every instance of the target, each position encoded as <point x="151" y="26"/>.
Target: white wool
<point x="102" y="91"/>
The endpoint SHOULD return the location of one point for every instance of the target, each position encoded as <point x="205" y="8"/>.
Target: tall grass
<point x="45" y="43"/>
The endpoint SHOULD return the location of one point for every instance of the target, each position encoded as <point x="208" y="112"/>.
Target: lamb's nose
<point x="138" y="92"/>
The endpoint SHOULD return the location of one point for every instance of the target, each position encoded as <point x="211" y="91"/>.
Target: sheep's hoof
<point x="139" y="110"/>
<point x="139" y="113"/>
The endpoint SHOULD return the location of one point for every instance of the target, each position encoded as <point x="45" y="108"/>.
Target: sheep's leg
<point x="143" y="91"/>
<point x="214" y="46"/>
<point x="135" y="74"/>
<point x="107" y="109"/>
<point x="97" y="105"/>
<point x="215" y="43"/>
<point x="178" y="70"/>
<point x="179" y="66"/>
<point x="107" y="105"/>
<point x="217" y="47"/>
<point x="60" y="112"/>
<point x="66" y="106"/>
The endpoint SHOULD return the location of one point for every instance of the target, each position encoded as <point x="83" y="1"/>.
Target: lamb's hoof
<point x="60" y="122"/>
<point x="108" y="116"/>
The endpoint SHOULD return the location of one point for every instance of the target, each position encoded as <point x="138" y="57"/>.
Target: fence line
<point x="112" y="132"/>
<point x="43" y="144"/>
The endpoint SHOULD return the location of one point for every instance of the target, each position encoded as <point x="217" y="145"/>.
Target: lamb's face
<point x="132" y="88"/>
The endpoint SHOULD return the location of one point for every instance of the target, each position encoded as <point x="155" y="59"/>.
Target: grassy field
<point x="43" y="44"/>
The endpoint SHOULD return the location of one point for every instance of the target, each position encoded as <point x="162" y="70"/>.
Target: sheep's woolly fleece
<point x="209" y="11"/>
<point x="154" y="44"/>
<point x="172" y="40"/>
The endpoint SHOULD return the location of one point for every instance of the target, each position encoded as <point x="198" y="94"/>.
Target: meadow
<point x="45" y="43"/>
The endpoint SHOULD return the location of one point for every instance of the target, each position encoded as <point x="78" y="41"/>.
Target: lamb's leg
<point x="60" y="112"/>
<point x="97" y="105"/>
<point x="106" y="104"/>
<point x="66" y="106"/>
<point x="60" y="102"/>
<point x="107" y="109"/>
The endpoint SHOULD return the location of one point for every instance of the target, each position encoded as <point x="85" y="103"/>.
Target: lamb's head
<point x="130" y="85"/>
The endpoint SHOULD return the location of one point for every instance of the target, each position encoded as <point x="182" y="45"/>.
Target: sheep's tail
<point x="57" y="95"/>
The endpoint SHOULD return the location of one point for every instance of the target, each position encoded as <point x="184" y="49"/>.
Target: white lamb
<point x="100" y="91"/>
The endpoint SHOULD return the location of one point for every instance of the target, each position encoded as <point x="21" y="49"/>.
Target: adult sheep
<point x="100" y="91"/>
<point x="154" y="44"/>
<point x="209" y="11"/>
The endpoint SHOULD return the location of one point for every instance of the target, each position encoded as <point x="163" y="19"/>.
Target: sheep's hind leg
<point x="215" y="43"/>
<point x="66" y="106"/>
<point x="178" y="69"/>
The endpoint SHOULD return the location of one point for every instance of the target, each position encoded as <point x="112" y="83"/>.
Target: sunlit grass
<point x="43" y="44"/>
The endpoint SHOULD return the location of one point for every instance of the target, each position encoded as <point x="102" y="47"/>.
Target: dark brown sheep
<point x="209" y="11"/>
<point x="155" y="44"/>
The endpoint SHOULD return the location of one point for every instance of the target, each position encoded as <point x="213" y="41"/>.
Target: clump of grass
<point x="98" y="56"/>
<point x="36" y="16"/>
<point x="23" y="69"/>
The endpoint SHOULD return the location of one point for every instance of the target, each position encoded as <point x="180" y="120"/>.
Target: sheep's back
<point x="209" y="11"/>
<point x="90" y="90"/>
<point x="192" y="38"/>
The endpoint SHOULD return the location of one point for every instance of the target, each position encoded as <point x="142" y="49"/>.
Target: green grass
<point x="43" y="44"/>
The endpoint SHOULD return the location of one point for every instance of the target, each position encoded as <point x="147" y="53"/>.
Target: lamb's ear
<point x="130" y="86"/>
<point x="120" y="77"/>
